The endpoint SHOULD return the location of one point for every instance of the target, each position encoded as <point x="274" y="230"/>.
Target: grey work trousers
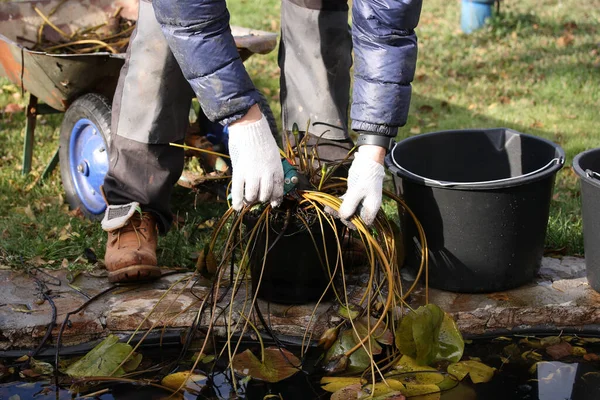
<point x="152" y="100"/>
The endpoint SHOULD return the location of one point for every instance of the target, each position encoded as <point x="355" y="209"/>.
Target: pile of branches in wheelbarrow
<point x="112" y="35"/>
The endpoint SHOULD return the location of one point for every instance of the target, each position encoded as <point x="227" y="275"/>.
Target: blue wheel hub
<point x="88" y="164"/>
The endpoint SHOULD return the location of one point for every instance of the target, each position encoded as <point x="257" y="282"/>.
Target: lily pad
<point x="358" y="361"/>
<point x="381" y="335"/>
<point x="429" y="335"/>
<point x="415" y="389"/>
<point x="334" y="383"/>
<point x="479" y="372"/>
<point x="381" y="391"/>
<point x="350" y="312"/>
<point x="42" y="368"/>
<point x="193" y="382"/>
<point x="102" y="360"/>
<point x="278" y="365"/>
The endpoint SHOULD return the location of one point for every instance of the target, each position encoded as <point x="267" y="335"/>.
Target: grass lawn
<point x="535" y="68"/>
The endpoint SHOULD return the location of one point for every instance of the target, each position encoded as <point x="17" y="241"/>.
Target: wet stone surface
<point x="560" y="298"/>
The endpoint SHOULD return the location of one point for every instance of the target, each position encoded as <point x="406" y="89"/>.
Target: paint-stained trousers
<point x="152" y="100"/>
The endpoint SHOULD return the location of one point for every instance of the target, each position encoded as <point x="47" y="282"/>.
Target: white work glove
<point x="256" y="163"/>
<point x="365" y="187"/>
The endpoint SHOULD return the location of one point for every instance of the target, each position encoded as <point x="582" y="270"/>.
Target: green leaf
<point x="381" y="335"/>
<point x="278" y="365"/>
<point x="42" y="368"/>
<point x="102" y="360"/>
<point x="350" y="312"/>
<point x="133" y="362"/>
<point x="450" y="342"/>
<point x="479" y="372"/>
<point x="429" y="335"/>
<point x="358" y="361"/>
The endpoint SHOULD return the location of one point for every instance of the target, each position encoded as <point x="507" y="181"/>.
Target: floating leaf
<point x="381" y="335"/>
<point x="102" y="360"/>
<point x="429" y="335"/>
<point x="560" y="350"/>
<point x="550" y="341"/>
<point x="193" y="382"/>
<point x="357" y="362"/>
<point x="409" y="371"/>
<point x="512" y="351"/>
<point x="349" y="392"/>
<point x="415" y="389"/>
<point x="333" y="384"/>
<point x="133" y="362"/>
<point x="350" y="312"/>
<point x="409" y="364"/>
<point x="479" y="372"/>
<point x="328" y="338"/>
<point x="42" y="368"/>
<point x="531" y="355"/>
<point x="278" y="365"/>
<point x="28" y="373"/>
<point x="579" y="351"/>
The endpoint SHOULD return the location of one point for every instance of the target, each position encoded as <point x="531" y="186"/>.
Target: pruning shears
<point x="292" y="180"/>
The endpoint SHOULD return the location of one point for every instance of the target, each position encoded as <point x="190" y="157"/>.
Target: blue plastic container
<point x="474" y="13"/>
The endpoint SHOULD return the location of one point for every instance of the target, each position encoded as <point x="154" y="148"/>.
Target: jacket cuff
<point x="374" y="129"/>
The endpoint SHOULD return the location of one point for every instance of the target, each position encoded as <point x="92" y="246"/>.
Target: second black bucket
<point x="587" y="166"/>
<point x="483" y="198"/>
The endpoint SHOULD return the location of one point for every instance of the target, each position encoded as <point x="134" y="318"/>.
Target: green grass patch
<point x="534" y="68"/>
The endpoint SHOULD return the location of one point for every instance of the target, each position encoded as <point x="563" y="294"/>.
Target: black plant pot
<point x="295" y="268"/>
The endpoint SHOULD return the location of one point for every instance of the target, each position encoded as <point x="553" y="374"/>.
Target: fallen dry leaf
<point x="498" y="296"/>
<point x="560" y="350"/>
<point x="565" y="40"/>
<point x="537" y="124"/>
<point x="13" y="108"/>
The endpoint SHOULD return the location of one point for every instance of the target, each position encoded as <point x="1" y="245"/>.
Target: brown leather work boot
<point x="131" y="250"/>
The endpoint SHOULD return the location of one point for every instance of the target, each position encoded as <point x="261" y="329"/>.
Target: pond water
<point x="520" y="375"/>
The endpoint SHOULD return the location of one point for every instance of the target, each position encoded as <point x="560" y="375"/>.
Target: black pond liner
<point x="587" y="166"/>
<point x="295" y="270"/>
<point x="483" y="198"/>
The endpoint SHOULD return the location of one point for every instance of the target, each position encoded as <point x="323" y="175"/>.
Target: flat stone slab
<point x="560" y="298"/>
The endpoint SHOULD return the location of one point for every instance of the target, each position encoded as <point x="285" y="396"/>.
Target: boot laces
<point x="134" y="224"/>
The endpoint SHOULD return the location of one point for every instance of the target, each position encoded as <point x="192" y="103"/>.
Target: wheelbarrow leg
<point x="29" y="133"/>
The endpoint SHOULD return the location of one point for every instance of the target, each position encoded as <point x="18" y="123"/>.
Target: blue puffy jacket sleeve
<point x="200" y="38"/>
<point x="385" y="57"/>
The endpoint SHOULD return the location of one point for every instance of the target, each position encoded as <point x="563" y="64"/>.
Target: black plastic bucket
<point x="295" y="269"/>
<point x="483" y="198"/>
<point x="587" y="166"/>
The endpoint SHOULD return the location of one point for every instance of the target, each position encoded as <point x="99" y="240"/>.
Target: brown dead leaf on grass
<point x="13" y="108"/>
<point x="565" y="40"/>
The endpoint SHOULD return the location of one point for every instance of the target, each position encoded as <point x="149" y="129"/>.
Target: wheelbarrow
<point x="79" y="85"/>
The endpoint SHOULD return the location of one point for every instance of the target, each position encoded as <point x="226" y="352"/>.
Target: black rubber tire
<point x="96" y="108"/>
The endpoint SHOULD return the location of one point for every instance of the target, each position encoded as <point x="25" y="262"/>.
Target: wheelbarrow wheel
<point x="84" y="140"/>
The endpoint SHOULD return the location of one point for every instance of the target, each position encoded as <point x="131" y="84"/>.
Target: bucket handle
<point x="557" y="160"/>
<point x="592" y="174"/>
